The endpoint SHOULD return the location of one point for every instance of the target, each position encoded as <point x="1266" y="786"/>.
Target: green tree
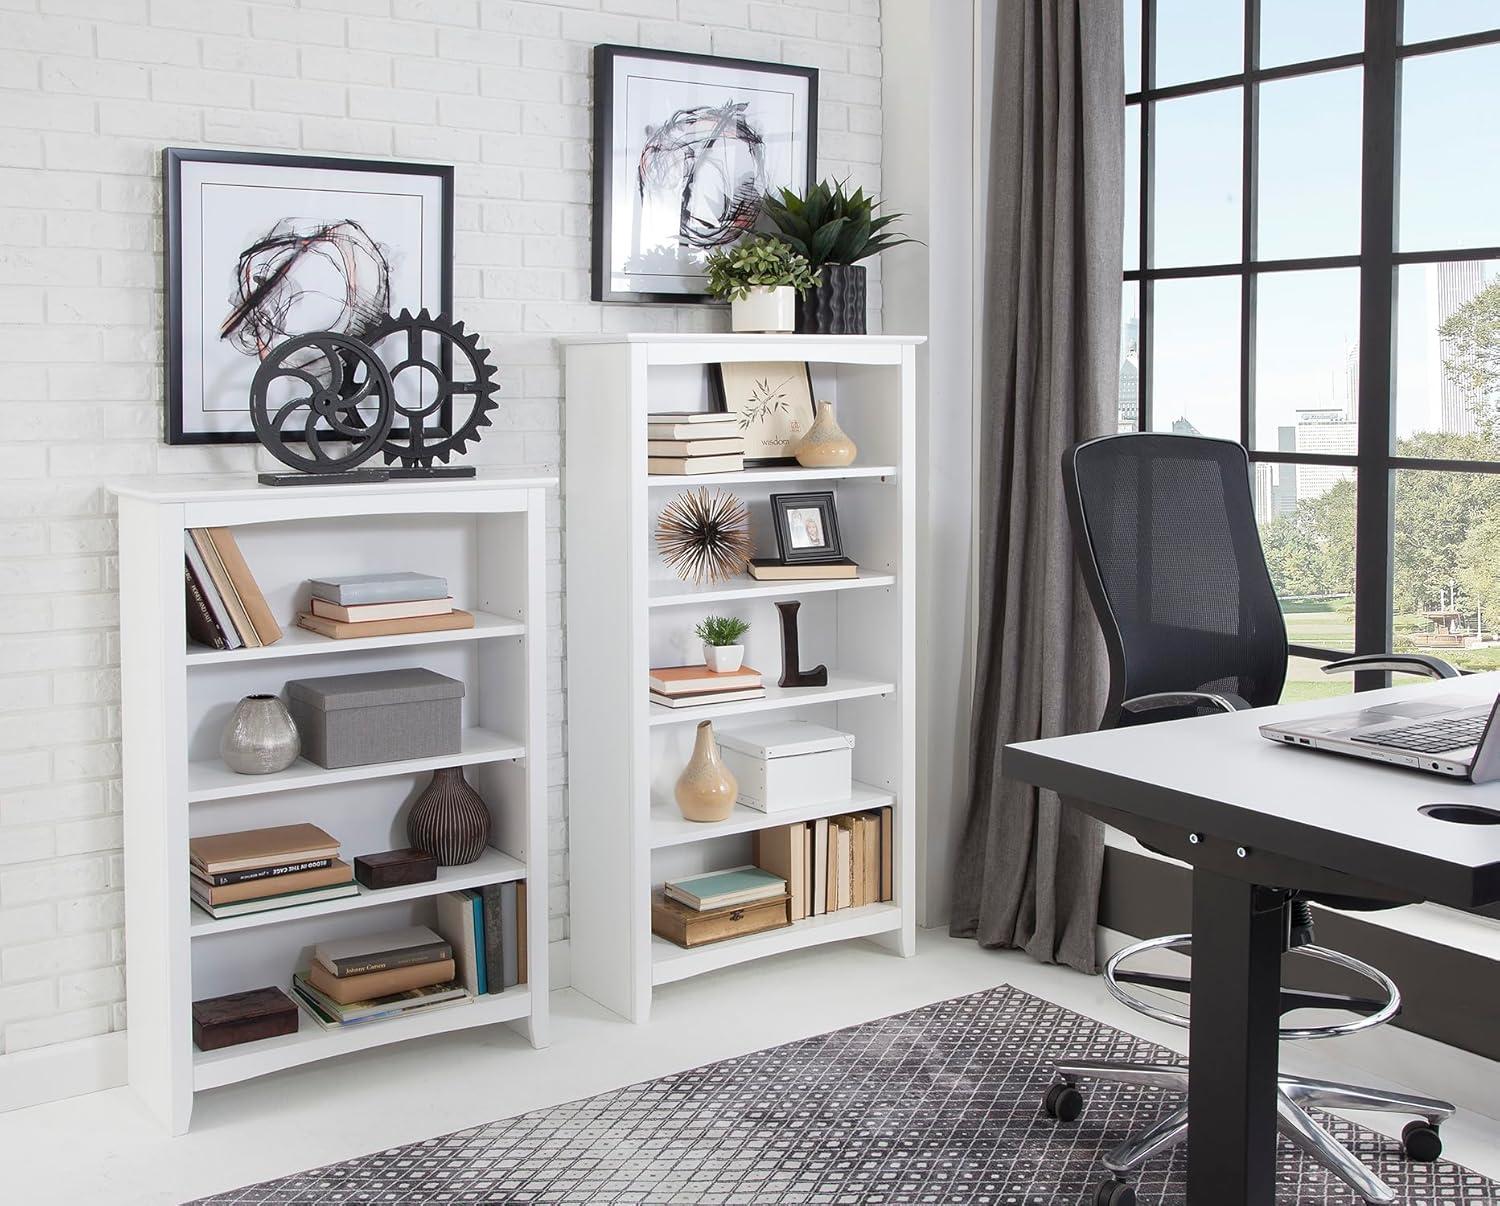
<point x="1471" y="340"/>
<point x="1311" y="550"/>
<point x="1435" y="511"/>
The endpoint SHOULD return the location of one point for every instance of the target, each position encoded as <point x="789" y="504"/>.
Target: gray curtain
<point x="1029" y="868"/>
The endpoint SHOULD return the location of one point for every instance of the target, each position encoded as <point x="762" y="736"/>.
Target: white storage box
<point x="789" y="765"/>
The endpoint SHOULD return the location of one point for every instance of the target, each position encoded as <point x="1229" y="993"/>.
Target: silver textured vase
<point x="260" y="738"/>
<point x="449" y="819"/>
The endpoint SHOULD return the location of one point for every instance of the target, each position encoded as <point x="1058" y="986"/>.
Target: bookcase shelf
<point x="492" y="867"/>
<point x="669" y="828"/>
<point x="625" y="833"/>
<point x="775" y="474"/>
<point x="300" y="642"/>
<point x="671" y="962"/>
<point x="211" y="1069"/>
<point x="840" y="687"/>
<point x="669" y="592"/>
<point x="487" y="536"/>
<point x="210" y="779"/>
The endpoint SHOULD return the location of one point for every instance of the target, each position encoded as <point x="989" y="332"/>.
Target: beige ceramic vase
<point x="705" y="789"/>
<point x="825" y="446"/>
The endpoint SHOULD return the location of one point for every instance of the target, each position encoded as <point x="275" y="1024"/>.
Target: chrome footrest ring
<point x="1383" y="982"/>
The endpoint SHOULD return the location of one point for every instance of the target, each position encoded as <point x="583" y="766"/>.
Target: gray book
<point x="495" y="943"/>
<point x="350" y="590"/>
<point x="509" y="916"/>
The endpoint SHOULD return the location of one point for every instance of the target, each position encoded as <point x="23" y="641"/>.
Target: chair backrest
<point x="1164" y="529"/>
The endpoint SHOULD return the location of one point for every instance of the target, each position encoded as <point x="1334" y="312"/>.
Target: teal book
<point x="724" y="889"/>
<point x="476" y="906"/>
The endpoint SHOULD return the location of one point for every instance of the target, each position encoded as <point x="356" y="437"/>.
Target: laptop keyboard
<point x="1432" y="737"/>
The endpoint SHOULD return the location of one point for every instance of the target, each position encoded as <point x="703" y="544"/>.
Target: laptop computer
<point x="1445" y="734"/>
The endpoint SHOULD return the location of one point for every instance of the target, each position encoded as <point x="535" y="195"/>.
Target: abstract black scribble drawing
<point x="714" y="161"/>
<point x="405" y="343"/>
<point x="304" y="276"/>
<point x="329" y="376"/>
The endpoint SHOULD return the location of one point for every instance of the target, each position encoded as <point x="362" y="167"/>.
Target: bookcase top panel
<point x="240" y="487"/>
<point x="697" y="337"/>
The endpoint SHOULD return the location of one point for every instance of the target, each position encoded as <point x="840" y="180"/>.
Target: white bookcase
<point x="627" y="611"/>
<point x="486" y="535"/>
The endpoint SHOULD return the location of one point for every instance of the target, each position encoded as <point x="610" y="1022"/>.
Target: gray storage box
<point x="380" y="716"/>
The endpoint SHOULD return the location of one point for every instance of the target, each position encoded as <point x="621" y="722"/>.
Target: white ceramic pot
<point x="723" y="659"/>
<point x="765" y="310"/>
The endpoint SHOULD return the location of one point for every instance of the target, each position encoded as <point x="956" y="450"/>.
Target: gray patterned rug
<point x="939" y="1105"/>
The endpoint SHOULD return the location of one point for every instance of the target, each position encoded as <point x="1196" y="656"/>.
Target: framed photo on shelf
<point x="264" y="247"/>
<point x="772" y="402"/>
<point x="807" y="527"/>
<point x="685" y="147"/>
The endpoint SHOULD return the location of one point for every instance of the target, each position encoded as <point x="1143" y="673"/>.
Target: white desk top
<point x="1217" y="775"/>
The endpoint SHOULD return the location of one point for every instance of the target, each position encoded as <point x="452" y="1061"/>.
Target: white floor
<point x="103" y="1149"/>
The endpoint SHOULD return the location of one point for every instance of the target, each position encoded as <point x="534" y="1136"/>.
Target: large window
<point x="1312" y="267"/>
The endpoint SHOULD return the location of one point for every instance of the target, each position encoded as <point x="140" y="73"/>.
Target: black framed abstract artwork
<point x="685" y="147"/>
<point x="263" y="248"/>
<point x="807" y="527"/>
<point x="772" y="404"/>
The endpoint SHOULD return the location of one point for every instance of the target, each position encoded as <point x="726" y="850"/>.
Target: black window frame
<point x="1378" y="262"/>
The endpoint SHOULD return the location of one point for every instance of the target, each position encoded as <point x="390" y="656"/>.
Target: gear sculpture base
<point x="348" y="477"/>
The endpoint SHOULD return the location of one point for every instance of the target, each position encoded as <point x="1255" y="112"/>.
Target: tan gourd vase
<point x="705" y="789"/>
<point x="826" y="445"/>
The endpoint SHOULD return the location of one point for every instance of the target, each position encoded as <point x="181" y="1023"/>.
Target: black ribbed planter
<point x="837" y="306"/>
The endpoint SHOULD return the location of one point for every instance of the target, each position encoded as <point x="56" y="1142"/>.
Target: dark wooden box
<point x="688" y="927"/>
<point x="393" y="868"/>
<point x="242" y="1017"/>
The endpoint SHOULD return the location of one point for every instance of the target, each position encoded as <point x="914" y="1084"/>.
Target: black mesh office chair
<point x="1165" y="534"/>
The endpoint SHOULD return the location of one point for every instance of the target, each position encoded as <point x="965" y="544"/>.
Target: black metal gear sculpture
<point x="323" y="370"/>
<point x="421" y="442"/>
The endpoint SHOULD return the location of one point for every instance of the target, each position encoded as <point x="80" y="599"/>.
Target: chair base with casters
<point x="1420" y="1138"/>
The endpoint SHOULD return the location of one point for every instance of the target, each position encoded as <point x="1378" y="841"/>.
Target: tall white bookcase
<point x="627" y="612"/>
<point x="486" y="535"/>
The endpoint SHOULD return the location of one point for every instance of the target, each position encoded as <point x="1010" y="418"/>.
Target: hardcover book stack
<point x="832" y="863"/>
<point x="689" y="686"/>
<point x="225" y="606"/>
<point x="386" y="604"/>
<point x="391" y="974"/>
<point x="721" y="904"/>
<point x="694" y="442"/>
<point x="256" y="870"/>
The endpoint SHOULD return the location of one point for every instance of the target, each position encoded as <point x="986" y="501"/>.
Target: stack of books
<point x="769" y="569"/>
<point x="486" y="927"/>
<point x="689" y="686"/>
<point x="694" y="442"/>
<point x="225" y="606"/>
<point x="256" y="870"/>
<point x="377" y="976"/>
<point x="385" y="604"/>
<point x="832" y="863"/>
<point x="719" y="906"/>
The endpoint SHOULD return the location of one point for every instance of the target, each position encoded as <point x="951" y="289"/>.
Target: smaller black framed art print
<point x="685" y="148"/>
<point x="772" y="403"/>
<point x="807" y="527"/>
<point x="262" y="248"/>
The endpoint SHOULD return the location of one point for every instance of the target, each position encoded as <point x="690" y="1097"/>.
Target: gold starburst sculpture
<point x="705" y="537"/>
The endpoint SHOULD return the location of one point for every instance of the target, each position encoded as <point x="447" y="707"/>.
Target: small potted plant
<point x="833" y="229"/>
<point x="722" y="651"/>
<point x="761" y="278"/>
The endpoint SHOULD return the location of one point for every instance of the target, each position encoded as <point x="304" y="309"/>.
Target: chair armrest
<point x="1400" y="663"/>
<point x="1142" y="704"/>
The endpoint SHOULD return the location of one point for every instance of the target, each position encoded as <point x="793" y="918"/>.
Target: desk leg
<point x="1238" y="933"/>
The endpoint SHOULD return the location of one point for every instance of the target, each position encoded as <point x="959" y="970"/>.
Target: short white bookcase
<point x="627" y="612"/>
<point x="486" y="535"/>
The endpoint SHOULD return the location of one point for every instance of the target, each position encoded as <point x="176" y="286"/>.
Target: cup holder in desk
<point x="1462" y="814"/>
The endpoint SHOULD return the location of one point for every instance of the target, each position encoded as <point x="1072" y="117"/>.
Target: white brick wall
<point x="90" y="91"/>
